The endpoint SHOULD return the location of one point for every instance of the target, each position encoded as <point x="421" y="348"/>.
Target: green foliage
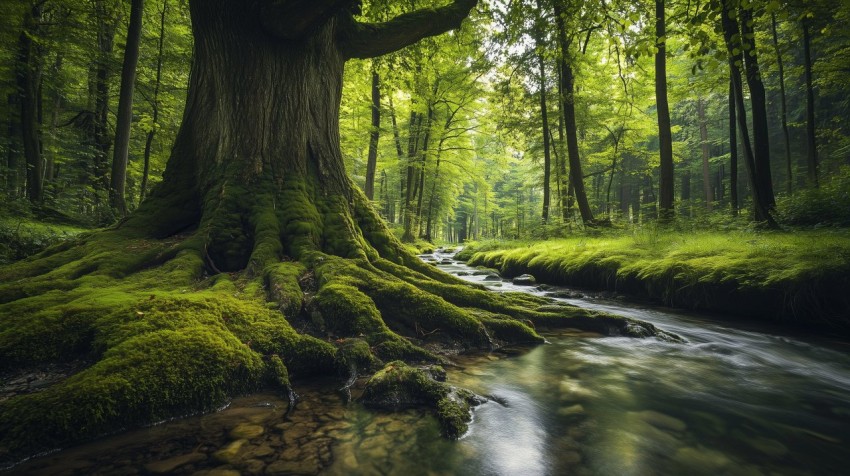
<point x="827" y="205"/>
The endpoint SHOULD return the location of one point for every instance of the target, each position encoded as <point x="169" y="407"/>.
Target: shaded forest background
<point x="537" y="118"/>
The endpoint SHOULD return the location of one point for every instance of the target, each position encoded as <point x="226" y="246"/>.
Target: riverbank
<point x="798" y="279"/>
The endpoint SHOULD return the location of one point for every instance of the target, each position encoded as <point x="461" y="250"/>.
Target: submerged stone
<point x="246" y="430"/>
<point x="169" y="465"/>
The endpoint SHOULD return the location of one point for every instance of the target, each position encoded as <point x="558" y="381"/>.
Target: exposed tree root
<point x="321" y="290"/>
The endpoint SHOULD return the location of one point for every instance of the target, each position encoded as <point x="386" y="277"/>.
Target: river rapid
<point x="735" y="399"/>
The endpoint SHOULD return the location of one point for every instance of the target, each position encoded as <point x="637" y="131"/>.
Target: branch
<point x="292" y="19"/>
<point x="368" y="40"/>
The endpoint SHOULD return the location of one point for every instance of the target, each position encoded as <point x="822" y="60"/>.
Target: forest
<point x="282" y="218"/>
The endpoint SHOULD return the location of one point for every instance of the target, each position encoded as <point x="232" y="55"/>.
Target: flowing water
<point x="733" y="400"/>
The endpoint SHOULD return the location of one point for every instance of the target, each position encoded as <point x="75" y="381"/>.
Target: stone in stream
<point x="572" y="390"/>
<point x="307" y="466"/>
<point x="446" y="261"/>
<point x="565" y="294"/>
<point x="525" y="280"/>
<point x="462" y="273"/>
<point x="169" y="465"/>
<point x="246" y="430"/>
<point x="230" y="453"/>
<point x="492" y="277"/>
<point x="485" y="272"/>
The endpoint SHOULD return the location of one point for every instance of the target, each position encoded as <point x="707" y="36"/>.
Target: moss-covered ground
<point x="800" y="277"/>
<point x="158" y="323"/>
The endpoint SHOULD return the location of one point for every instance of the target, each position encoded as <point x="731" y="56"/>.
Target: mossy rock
<point x="399" y="386"/>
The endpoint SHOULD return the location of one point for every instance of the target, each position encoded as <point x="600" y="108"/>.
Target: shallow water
<point x="733" y="400"/>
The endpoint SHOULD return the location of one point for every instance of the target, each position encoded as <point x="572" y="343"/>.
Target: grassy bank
<point x="802" y="277"/>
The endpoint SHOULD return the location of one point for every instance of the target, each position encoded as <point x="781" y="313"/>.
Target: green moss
<point x="399" y="385"/>
<point x="781" y="276"/>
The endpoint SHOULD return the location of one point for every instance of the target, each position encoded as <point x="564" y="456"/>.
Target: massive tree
<point x="255" y="231"/>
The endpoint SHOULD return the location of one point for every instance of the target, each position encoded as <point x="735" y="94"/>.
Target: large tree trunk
<point x="665" y="136"/>
<point x="374" y="134"/>
<point x="811" y="141"/>
<point x="121" y="151"/>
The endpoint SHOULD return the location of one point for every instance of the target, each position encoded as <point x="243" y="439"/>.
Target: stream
<point x="738" y="399"/>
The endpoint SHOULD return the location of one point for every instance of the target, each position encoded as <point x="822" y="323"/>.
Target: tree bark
<point x="568" y="106"/>
<point x="761" y="134"/>
<point x="121" y="150"/>
<point x="154" y="104"/>
<point x="665" y="137"/>
<point x="735" y="55"/>
<point x="374" y="134"/>
<point x="106" y="24"/>
<point x="544" y="115"/>
<point x="811" y="140"/>
<point x="547" y="159"/>
<point x="706" y="171"/>
<point x="786" y="136"/>
<point x="733" y="150"/>
<point x="261" y="127"/>
<point x="28" y="78"/>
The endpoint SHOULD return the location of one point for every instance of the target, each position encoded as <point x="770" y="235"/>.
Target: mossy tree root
<point x="172" y="325"/>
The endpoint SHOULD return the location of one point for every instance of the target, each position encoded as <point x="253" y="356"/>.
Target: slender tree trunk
<point x="733" y="151"/>
<point x="730" y="29"/>
<point x="121" y="151"/>
<point x="374" y="133"/>
<point x="568" y="106"/>
<point x="154" y="103"/>
<point x="50" y="164"/>
<point x="106" y="24"/>
<point x="761" y="134"/>
<point x="564" y="186"/>
<point x="665" y="136"/>
<point x="547" y="160"/>
<point x="13" y="166"/>
<point x="415" y="126"/>
<point x="811" y="141"/>
<point x="706" y="172"/>
<point x="28" y="78"/>
<point x="400" y="154"/>
<point x="789" y="179"/>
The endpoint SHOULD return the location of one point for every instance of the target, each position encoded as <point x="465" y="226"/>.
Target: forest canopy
<point x="486" y="124"/>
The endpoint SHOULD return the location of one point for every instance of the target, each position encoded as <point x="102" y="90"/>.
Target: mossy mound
<point x="319" y="287"/>
<point x="399" y="386"/>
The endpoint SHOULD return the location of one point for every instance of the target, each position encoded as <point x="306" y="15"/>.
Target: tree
<point x="665" y="137"/>
<point x="374" y="134"/>
<point x="121" y="151"/>
<point x="255" y="224"/>
<point x="29" y="80"/>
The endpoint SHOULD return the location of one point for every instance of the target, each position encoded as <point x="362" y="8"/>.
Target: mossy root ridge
<point x="174" y="313"/>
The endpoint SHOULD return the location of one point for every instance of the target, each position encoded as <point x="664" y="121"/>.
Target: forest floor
<point x="24" y="236"/>
<point x="798" y="278"/>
